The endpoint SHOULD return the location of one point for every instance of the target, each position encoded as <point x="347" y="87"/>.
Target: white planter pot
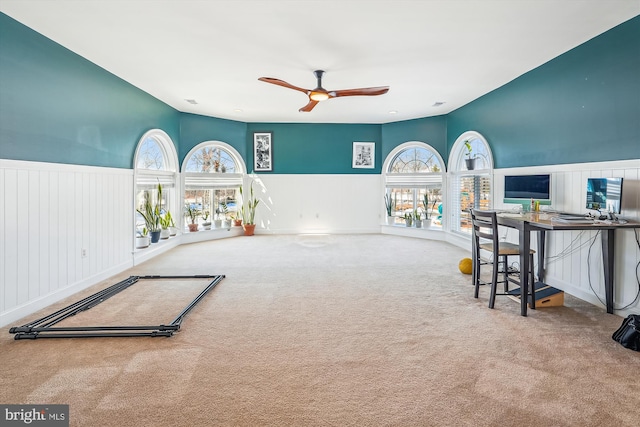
<point x="391" y="220"/>
<point x="173" y="231"/>
<point x="206" y="225"/>
<point x="217" y="223"/>
<point x="165" y="233"/>
<point x="142" y="242"/>
<point x="418" y="223"/>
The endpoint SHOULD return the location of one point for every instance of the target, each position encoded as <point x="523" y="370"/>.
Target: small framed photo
<point x="262" y="152"/>
<point x="364" y="155"/>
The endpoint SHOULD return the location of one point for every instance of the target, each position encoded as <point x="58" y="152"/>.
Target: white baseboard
<point x="22" y="311"/>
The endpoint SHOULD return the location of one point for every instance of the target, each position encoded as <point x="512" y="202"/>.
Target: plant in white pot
<point x="206" y="224"/>
<point x="426" y="222"/>
<point x="408" y="219"/>
<point x="417" y="218"/>
<point x="142" y="238"/>
<point x="389" y="205"/>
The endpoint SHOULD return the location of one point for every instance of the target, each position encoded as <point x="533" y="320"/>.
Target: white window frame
<point x="212" y="180"/>
<point x="457" y="171"/>
<point x="150" y="177"/>
<point x="413" y="180"/>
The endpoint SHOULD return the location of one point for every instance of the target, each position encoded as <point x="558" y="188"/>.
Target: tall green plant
<point x="151" y="213"/>
<point x="388" y="204"/>
<point x="249" y="214"/>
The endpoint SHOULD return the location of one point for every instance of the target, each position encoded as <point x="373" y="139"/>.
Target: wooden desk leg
<point x="608" y="245"/>
<point x="525" y="247"/>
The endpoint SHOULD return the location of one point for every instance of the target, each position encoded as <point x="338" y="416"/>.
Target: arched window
<point x="413" y="179"/>
<point x="471" y="169"/>
<point x="156" y="162"/>
<point x="213" y="172"/>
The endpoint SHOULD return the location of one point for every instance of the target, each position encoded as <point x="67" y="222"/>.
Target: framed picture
<point x="364" y="155"/>
<point x="262" y="152"/>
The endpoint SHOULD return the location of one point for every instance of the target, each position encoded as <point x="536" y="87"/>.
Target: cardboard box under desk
<point x="546" y="296"/>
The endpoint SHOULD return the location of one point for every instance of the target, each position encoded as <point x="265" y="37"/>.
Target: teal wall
<point x="56" y="106"/>
<point x="316" y="148"/>
<point x="195" y="129"/>
<point x="430" y="130"/>
<point x="583" y="106"/>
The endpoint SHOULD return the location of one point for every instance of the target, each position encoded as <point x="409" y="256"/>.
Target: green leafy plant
<point x="249" y="214"/>
<point x="467" y="145"/>
<point x="205" y="215"/>
<point x="389" y="204"/>
<point x="224" y="208"/>
<point x="166" y="221"/>
<point x="417" y="215"/>
<point x="151" y="213"/>
<point x="425" y="202"/>
<point x="191" y="212"/>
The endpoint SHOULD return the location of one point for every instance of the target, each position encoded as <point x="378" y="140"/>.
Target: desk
<point x="541" y="222"/>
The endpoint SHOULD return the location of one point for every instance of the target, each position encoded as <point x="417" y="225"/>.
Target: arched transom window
<point x="414" y="177"/>
<point x="471" y="169"/>
<point x="213" y="173"/>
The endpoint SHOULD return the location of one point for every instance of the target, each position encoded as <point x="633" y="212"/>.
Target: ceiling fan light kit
<point x="320" y="94"/>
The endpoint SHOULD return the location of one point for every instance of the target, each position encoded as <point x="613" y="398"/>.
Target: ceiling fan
<point x="320" y="94"/>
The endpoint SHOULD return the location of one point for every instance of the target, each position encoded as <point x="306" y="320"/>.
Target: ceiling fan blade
<point x="367" y="91"/>
<point x="282" y="83"/>
<point x="309" y="106"/>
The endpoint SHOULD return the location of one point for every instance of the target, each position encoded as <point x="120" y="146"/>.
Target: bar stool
<point x="485" y="226"/>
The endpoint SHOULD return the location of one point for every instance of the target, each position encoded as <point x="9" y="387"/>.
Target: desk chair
<point x="485" y="226"/>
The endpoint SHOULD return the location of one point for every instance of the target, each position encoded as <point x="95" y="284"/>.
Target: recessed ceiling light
<point x="238" y="110"/>
<point x="393" y="112"/>
<point x="192" y="101"/>
<point x="438" y="103"/>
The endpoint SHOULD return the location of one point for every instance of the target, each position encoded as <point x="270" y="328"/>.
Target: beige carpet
<point x="363" y="330"/>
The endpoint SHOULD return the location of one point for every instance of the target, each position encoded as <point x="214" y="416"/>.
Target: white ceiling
<point x="428" y="51"/>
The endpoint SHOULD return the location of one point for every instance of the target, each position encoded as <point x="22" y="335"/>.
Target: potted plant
<point x="389" y="205"/>
<point x="426" y="222"/>
<point x="408" y="218"/>
<point x="237" y="219"/>
<point x="417" y="218"/>
<point x="217" y="221"/>
<point x="224" y="211"/>
<point x="165" y="223"/>
<point x="191" y="213"/>
<point x="470" y="161"/>
<point x="151" y="215"/>
<point x="142" y="238"/>
<point x="173" y="230"/>
<point x="249" y="214"/>
<point x="206" y="224"/>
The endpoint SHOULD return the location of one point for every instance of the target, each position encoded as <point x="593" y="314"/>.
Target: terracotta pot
<point x="193" y="227"/>
<point x="249" y="229"/>
<point x="237" y="223"/>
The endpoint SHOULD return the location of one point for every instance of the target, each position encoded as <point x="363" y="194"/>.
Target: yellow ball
<point x="465" y="265"/>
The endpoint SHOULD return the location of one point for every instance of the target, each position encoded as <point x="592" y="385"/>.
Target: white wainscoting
<point x="318" y="204"/>
<point x="580" y="271"/>
<point x="63" y="228"/>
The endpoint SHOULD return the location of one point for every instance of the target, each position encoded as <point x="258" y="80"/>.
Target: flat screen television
<point x="604" y="194"/>
<point x="521" y="189"/>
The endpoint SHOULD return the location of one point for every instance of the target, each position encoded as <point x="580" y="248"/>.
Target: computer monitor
<point x="604" y="194"/>
<point x="520" y="189"/>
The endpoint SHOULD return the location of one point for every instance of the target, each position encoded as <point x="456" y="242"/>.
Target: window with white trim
<point x="213" y="173"/>
<point x="471" y="171"/>
<point x="156" y="162"/>
<point x="412" y="171"/>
